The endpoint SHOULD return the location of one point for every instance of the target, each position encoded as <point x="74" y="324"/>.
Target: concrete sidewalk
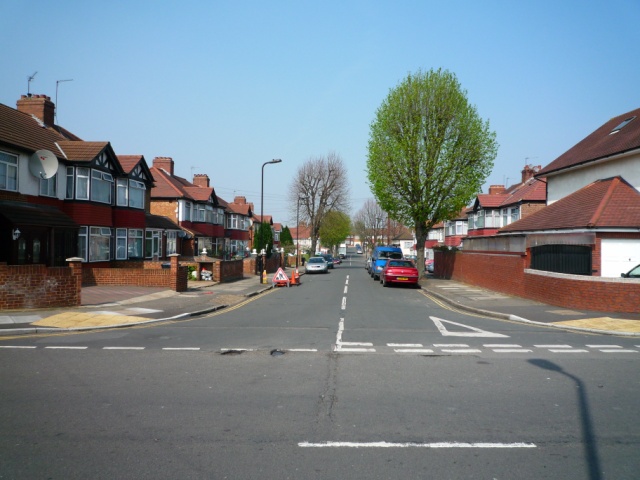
<point x="112" y="307"/>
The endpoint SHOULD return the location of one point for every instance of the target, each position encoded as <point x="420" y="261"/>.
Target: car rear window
<point x="397" y="263"/>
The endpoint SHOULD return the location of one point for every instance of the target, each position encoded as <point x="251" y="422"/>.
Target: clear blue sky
<point x="224" y="86"/>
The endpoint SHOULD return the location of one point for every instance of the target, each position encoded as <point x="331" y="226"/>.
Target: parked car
<point x="367" y="265"/>
<point x="327" y="258"/>
<point x="633" y="273"/>
<point x="428" y="265"/>
<point x="380" y="256"/>
<point x="358" y="249"/>
<point x="316" y="265"/>
<point x="399" y="271"/>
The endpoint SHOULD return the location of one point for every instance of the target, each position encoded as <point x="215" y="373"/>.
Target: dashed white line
<point x="553" y="346"/>
<point x="405" y="345"/>
<point x="451" y="345"/>
<point x="412" y="350"/>
<point x="344" y="303"/>
<point x="499" y="345"/>
<point x="566" y="350"/>
<point x="415" y="445"/>
<point x="511" y="350"/>
<point x="182" y="348"/>
<point x="617" y="350"/>
<point x="461" y="350"/>
<point x="123" y="348"/>
<point x="67" y="348"/>
<point x="16" y="346"/>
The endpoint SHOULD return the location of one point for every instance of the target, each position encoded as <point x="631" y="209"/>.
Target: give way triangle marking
<point x="475" y="332"/>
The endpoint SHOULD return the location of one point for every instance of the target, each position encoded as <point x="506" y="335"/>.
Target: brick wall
<point x="38" y="286"/>
<point x="165" y="208"/>
<point x="140" y="274"/>
<point x="507" y="273"/>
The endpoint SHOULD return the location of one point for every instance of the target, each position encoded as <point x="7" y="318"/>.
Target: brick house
<point x="593" y="212"/>
<point x="94" y="205"/>
<point x="193" y="206"/>
<point x="502" y="206"/>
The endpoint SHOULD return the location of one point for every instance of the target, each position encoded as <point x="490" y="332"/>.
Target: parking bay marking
<point x="415" y="445"/>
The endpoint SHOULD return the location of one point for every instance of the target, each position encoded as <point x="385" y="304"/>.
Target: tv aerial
<point x="29" y="79"/>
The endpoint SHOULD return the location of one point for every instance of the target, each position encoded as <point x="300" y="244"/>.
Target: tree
<point x="286" y="240"/>
<point x="429" y="152"/>
<point x="264" y="239"/>
<point x="368" y="224"/>
<point x="320" y="186"/>
<point x="335" y="228"/>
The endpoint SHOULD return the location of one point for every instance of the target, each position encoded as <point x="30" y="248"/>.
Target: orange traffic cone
<point x="295" y="278"/>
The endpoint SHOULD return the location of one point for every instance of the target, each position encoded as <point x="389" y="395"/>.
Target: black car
<point x="633" y="273"/>
<point x="327" y="258"/>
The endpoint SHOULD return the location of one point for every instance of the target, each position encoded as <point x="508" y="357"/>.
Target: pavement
<point x="119" y="307"/>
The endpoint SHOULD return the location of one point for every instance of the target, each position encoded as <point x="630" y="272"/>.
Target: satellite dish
<point x="43" y="164"/>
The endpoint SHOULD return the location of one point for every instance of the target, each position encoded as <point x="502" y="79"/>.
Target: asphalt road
<point x="337" y="378"/>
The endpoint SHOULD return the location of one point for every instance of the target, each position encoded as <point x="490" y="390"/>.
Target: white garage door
<point x="619" y="256"/>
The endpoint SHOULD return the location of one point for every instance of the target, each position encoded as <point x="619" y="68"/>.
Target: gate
<point x="570" y="259"/>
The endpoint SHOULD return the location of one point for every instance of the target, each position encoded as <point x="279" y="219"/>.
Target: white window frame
<point x="99" y="244"/>
<point x="82" y="180"/>
<point x="101" y="182"/>
<point x="83" y="239"/>
<point x="8" y="172"/>
<point x="135" y="241"/>
<point x="49" y="186"/>
<point x="136" y="194"/>
<point x="70" y="183"/>
<point x="172" y="241"/>
<point x="122" y="192"/>
<point x="153" y="243"/>
<point x="121" y="244"/>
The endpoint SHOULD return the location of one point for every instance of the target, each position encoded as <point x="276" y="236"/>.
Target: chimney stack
<point x="39" y="106"/>
<point x="529" y="171"/>
<point x="201" y="180"/>
<point x="166" y="163"/>
<point x="240" y="200"/>
<point x="497" y="189"/>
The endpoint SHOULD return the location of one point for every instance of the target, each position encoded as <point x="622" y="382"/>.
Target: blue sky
<point x="224" y="86"/>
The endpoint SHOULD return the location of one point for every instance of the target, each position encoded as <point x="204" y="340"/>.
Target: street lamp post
<point x="275" y="160"/>
<point x="298" y="231"/>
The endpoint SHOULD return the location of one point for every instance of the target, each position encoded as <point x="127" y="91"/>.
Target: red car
<point x="399" y="271"/>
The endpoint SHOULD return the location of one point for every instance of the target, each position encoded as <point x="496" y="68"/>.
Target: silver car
<point x="316" y="265"/>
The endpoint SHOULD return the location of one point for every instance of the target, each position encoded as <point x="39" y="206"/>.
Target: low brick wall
<point x="228" y="270"/>
<point x="507" y="273"/>
<point x="38" y="286"/>
<point x="143" y="274"/>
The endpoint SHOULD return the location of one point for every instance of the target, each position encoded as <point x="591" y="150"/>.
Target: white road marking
<point x="475" y="332"/>
<point x="67" y="348"/>
<point x="558" y="350"/>
<point x="184" y="348"/>
<point x="354" y="350"/>
<point x="511" y="350"/>
<point x="462" y="345"/>
<point x="358" y="344"/>
<point x="302" y="350"/>
<point x="344" y="303"/>
<point x="405" y="345"/>
<point x="414" y="445"/>
<point x="617" y="350"/>
<point x="461" y="350"/>
<point x="15" y="346"/>
<point x="412" y="350"/>
<point x="604" y="346"/>
<point x="553" y="346"/>
<point x="346" y="289"/>
<point x="123" y="348"/>
<point x="498" y="345"/>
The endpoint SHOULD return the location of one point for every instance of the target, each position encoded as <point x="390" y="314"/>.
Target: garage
<point x="618" y="256"/>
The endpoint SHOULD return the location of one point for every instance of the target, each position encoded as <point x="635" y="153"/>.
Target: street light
<point x="298" y="230"/>
<point x="275" y="160"/>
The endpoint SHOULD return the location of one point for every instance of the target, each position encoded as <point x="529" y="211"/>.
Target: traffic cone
<point x="294" y="277"/>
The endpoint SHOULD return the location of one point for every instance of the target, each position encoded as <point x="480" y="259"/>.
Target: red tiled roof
<point x="129" y="162"/>
<point x="486" y="200"/>
<point x="172" y="186"/>
<point x="601" y="143"/>
<point x="533" y="190"/>
<point x="608" y="203"/>
<point x="21" y="130"/>
<point x="82" y="151"/>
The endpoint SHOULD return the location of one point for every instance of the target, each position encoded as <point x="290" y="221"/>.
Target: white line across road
<point x="415" y="445"/>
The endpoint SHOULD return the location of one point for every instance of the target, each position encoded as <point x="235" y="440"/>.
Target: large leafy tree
<point x="320" y="186"/>
<point x="429" y="152"/>
<point x="286" y="240"/>
<point x="335" y="228"/>
<point x="264" y="239"/>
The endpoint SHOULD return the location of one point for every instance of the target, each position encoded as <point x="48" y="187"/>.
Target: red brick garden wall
<point x="38" y="286"/>
<point x="507" y="273"/>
